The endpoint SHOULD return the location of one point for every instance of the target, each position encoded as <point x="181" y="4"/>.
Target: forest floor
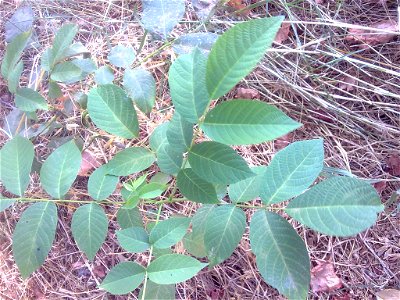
<point x="327" y="69"/>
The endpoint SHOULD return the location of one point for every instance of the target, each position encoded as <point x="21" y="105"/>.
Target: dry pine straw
<point x="303" y="77"/>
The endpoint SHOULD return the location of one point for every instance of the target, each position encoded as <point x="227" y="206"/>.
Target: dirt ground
<point x="342" y="86"/>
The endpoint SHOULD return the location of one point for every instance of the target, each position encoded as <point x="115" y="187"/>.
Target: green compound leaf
<point x="101" y="184"/>
<point x="218" y="163"/>
<point x="28" y="100"/>
<point x="156" y="291"/>
<point x="111" y="110"/>
<point x="66" y="72"/>
<point x="60" y="169"/>
<point x="16" y="163"/>
<point x="122" y="56"/>
<point x="63" y="39"/>
<point x="129" y="161"/>
<point x="196" y="189"/>
<point x="186" y="79"/>
<point x="133" y="239"/>
<point x="13" y="53"/>
<point x="5" y="203"/>
<point x="129" y="218"/>
<point x="292" y="171"/>
<point x="89" y="228"/>
<point x="123" y="278"/>
<point x="33" y="236"/>
<point x="104" y="75"/>
<point x="224" y="229"/>
<point x="339" y="206"/>
<point x="160" y="16"/>
<point x="282" y="256"/>
<point x="248" y="189"/>
<point x="141" y="87"/>
<point x="179" y="133"/>
<point x="173" y="268"/>
<point x="246" y="44"/>
<point x="168" y="232"/>
<point x="244" y="122"/>
<point x="194" y="241"/>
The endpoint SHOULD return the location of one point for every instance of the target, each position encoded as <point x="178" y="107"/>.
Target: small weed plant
<point x="206" y="171"/>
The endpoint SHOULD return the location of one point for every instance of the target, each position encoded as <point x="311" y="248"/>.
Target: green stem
<point x="150" y="254"/>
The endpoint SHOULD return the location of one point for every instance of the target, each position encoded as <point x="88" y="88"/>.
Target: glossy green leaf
<point x="60" y="169"/>
<point x="169" y="159"/>
<point x="173" y="268"/>
<point x="123" y="278"/>
<point x="76" y="49"/>
<point x="195" y="188"/>
<point x="160" y="16"/>
<point x="158" y="137"/>
<point x="47" y="60"/>
<point x="14" y="77"/>
<point x="141" y="87"/>
<point x="122" y="56"/>
<point x="151" y="190"/>
<point x="131" y="198"/>
<point x="248" y="189"/>
<point x="100" y="184"/>
<point x="16" y="163"/>
<point x="168" y="232"/>
<point x="129" y="218"/>
<point x="281" y="254"/>
<point x="111" y="110"/>
<point x="224" y="229"/>
<point x="218" y="163"/>
<point x="89" y="228"/>
<point x="86" y="65"/>
<point x="63" y="39"/>
<point x="27" y="99"/>
<point x="104" y="75"/>
<point x="156" y="291"/>
<point x="136" y="183"/>
<point x="194" y="241"/>
<point x="13" y="53"/>
<point x="66" y="72"/>
<point x="54" y="90"/>
<point x="339" y="206"/>
<point x="246" y="44"/>
<point x="244" y="122"/>
<point x="179" y="133"/>
<point x="161" y="178"/>
<point x="5" y="203"/>
<point x="186" y="79"/>
<point x="129" y="161"/>
<point x="33" y="236"/>
<point x="133" y="239"/>
<point x="292" y="171"/>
